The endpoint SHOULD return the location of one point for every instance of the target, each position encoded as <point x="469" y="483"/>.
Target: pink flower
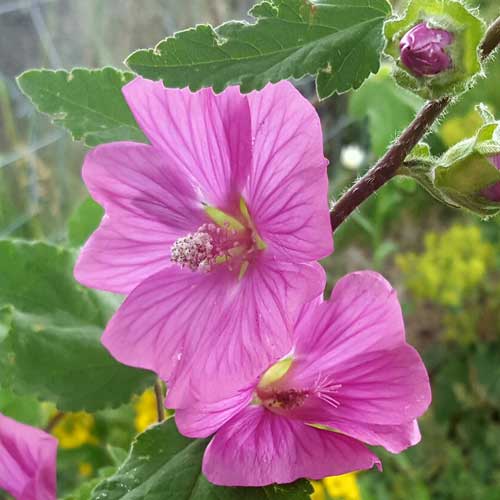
<point x="213" y="231"/>
<point x="27" y="461"/>
<point x="493" y="192"/>
<point x="350" y="371"/>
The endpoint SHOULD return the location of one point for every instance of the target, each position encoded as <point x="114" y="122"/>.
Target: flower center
<point x="285" y="400"/>
<point x="226" y="240"/>
<point x="273" y="394"/>
<point x="277" y="390"/>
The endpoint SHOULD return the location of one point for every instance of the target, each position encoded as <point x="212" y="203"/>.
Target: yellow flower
<point x="319" y="491"/>
<point x="452" y="265"/>
<point x="75" y="430"/>
<point x="85" y="469"/>
<point x="145" y="410"/>
<point x="343" y="487"/>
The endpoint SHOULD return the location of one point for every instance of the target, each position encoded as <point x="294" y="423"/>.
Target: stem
<point x="387" y="166"/>
<point x="160" y="407"/>
<point x="54" y="421"/>
<point x="491" y="39"/>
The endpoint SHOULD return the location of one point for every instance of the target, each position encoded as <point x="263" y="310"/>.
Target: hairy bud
<point x="434" y="45"/>
<point x="423" y="50"/>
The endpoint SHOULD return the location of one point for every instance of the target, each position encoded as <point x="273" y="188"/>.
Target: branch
<point x="160" y="408"/>
<point x="56" y="418"/>
<point x="387" y="166"/>
<point x="491" y="39"/>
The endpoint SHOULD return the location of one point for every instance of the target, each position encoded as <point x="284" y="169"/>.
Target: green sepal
<point x="421" y="153"/>
<point x="468" y="31"/>
<point x="465" y="170"/>
<point x="419" y="165"/>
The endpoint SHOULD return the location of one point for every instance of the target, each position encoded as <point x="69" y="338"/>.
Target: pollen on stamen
<point x="287" y="400"/>
<point x="208" y="246"/>
<point x="195" y="251"/>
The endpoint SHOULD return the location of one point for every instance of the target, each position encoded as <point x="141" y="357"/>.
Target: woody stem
<point x="388" y="165"/>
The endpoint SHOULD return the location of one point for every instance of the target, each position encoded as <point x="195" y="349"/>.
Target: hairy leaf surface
<point x="89" y="103"/>
<point x="50" y="332"/>
<point x="338" y="41"/>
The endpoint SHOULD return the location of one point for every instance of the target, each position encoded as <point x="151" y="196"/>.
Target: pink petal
<point x="27" y="461"/>
<point x="394" y="438"/>
<point x="148" y="205"/>
<point x="385" y="387"/>
<point x="362" y="315"/>
<point x="287" y="191"/>
<point x="257" y="448"/>
<point x="121" y="253"/>
<point x="351" y="352"/>
<point x="138" y="179"/>
<point x="210" y="334"/>
<point x="209" y="136"/>
<point x="382" y="387"/>
<point x="203" y="419"/>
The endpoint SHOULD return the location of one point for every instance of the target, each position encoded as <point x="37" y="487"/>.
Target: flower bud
<point x="468" y="174"/>
<point x="434" y="46"/>
<point x="493" y="192"/>
<point x="423" y="50"/>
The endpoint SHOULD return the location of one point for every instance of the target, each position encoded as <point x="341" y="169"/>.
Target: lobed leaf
<point x="50" y="333"/>
<point x="89" y="103"/>
<point x="338" y="41"/>
<point x="163" y="465"/>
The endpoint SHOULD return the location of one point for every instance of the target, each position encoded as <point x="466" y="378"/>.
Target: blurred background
<point x="444" y="263"/>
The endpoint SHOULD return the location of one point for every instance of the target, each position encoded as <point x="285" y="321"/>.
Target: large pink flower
<point x="213" y="231"/>
<point x="350" y="379"/>
<point x="27" y="461"/>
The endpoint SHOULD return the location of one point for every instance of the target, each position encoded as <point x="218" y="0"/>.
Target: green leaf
<point x="89" y="103"/>
<point x="84" y="221"/>
<point x="389" y="108"/>
<point x="84" y="490"/>
<point x="338" y="41"/>
<point x="52" y="348"/>
<point x="164" y="464"/>
<point x="25" y="409"/>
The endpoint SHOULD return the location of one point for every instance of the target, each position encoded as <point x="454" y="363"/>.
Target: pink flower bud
<point x="493" y="192"/>
<point x="422" y="50"/>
